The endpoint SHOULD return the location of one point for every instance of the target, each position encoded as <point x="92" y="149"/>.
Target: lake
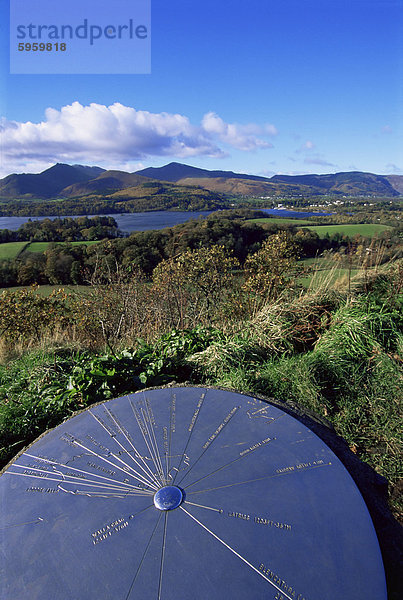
<point x="159" y="219"/>
<point x="127" y="222"/>
<point x="293" y="214"/>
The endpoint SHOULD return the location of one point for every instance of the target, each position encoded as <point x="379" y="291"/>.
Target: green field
<point x="325" y="272"/>
<point x="364" y="229"/>
<point x="11" y="249"/>
<point x="327" y="277"/>
<point x="350" y="229"/>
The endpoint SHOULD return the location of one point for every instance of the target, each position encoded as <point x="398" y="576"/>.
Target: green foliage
<point x="25" y="314"/>
<point x="269" y="270"/>
<point x="33" y="397"/>
<point x="42" y="246"/>
<point x="199" y="278"/>
<point x="166" y="359"/>
<point x="63" y="230"/>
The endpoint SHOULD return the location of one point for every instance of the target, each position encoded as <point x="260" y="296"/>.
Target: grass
<point x="328" y="276"/>
<point x="365" y="230"/>
<point x="349" y="370"/>
<point x="333" y="270"/>
<point x="368" y="230"/>
<point x="324" y="272"/>
<point x="10" y="250"/>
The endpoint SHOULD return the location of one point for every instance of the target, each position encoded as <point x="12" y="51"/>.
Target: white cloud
<point x="242" y="137"/>
<point x="120" y="135"/>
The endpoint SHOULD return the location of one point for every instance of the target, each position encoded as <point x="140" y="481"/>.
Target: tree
<point x="269" y="270"/>
<point x="195" y="284"/>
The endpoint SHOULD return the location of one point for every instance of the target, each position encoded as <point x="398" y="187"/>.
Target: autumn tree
<point x="195" y="284"/>
<point x="269" y="270"/>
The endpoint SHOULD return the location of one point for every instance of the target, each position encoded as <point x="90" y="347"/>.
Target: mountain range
<point x="74" y="181"/>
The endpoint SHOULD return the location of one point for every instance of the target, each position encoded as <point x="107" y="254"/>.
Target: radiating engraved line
<point x="101" y="494"/>
<point x="145" y="413"/>
<point x="157" y="447"/>
<point x="226" y="421"/>
<point x="141" y="477"/>
<point x="147" y="469"/>
<point x="78" y="443"/>
<point x="219" y="510"/>
<point x="52" y="462"/>
<point x="37" y="520"/>
<point x="143" y="510"/>
<point x="97" y="484"/>
<point x="257" y="479"/>
<point x="237" y="554"/>
<point x="145" y="433"/>
<point x="151" y="417"/>
<point x="191" y="429"/>
<point x="64" y="476"/>
<point x="164" y="537"/>
<point x="172" y="419"/>
<point x="125" y="470"/>
<point x="144" y="555"/>
<point x="225" y="466"/>
<point x="105" y="426"/>
<point x="148" y="420"/>
<point x="165" y="441"/>
<point x="158" y="466"/>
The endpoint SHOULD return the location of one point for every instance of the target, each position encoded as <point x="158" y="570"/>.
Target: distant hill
<point x="78" y="181"/>
<point x="47" y="184"/>
<point x="396" y="181"/>
<point x="106" y="183"/>
<point x="176" y="171"/>
<point x="90" y="171"/>
<point x="352" y="183"/>
<point x="246" y="187"/>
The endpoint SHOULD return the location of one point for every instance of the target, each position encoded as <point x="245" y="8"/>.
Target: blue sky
<point x="264" y="87"/>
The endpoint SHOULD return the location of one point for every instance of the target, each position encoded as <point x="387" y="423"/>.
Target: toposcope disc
<point x="185" y="493"/>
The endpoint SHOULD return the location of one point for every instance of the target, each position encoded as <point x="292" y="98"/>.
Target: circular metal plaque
<point x="185" y="493"/>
